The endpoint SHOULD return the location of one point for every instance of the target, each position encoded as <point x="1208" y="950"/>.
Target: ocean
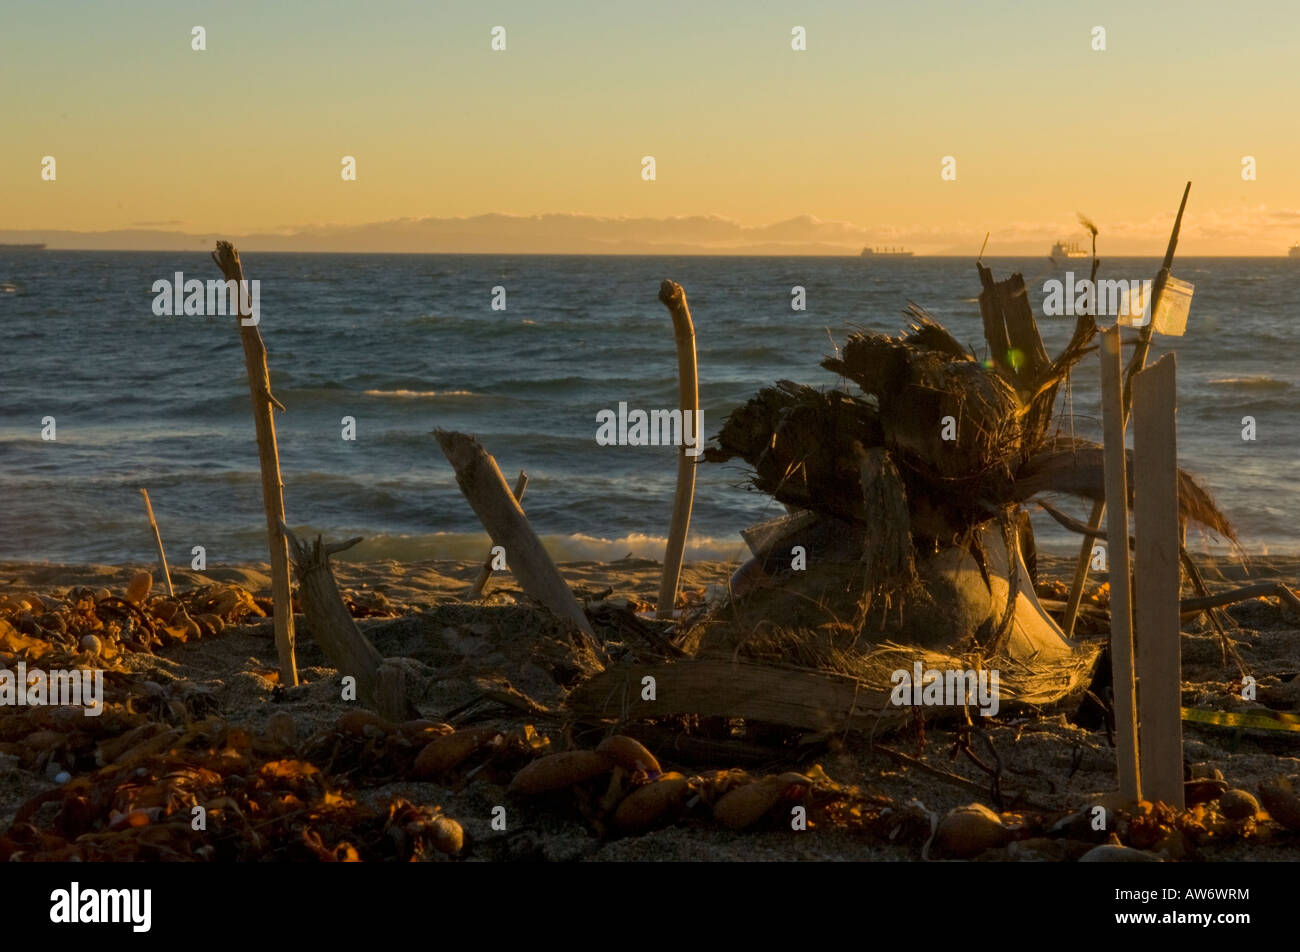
<point x="407" y="343"/>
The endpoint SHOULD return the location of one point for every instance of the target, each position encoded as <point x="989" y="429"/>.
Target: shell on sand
<point x="448" y="836"/>
<point x="969" y="830"/>
<point x="651" y="803"/>
<point x="137" y="590"/>
<point x="1238" y="804"/>
<point x="450" y="750"/>
<point x="628" y="753"/>
<point x="557" y="771"/>
<point x="745" y="806"/>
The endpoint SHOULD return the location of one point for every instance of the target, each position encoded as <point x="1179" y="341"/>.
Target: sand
<point x="1047" y="760"/>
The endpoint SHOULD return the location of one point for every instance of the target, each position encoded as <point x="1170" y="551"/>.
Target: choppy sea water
<point x="407" y="343"/>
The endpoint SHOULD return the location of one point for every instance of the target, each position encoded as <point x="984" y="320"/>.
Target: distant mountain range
<point x="585" y="234"/>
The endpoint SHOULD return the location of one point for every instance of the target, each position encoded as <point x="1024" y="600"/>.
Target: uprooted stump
<point x="906" y="541"/>
<point x="380" y="686"/>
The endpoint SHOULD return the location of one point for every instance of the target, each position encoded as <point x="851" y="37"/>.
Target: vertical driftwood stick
<point x="1135" y="364"/>
<point x="485" y="488"/>
<point x="674" y="299"/>
<point x="157" y="537"/>
<point x="1155" y="524"/>
<point x="259" y="385"/>
<point x="1121" y="612"/>
<point x="521" y="487"/>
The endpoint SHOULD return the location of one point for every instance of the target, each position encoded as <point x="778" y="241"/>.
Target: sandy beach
<point x="1051" y="767"/>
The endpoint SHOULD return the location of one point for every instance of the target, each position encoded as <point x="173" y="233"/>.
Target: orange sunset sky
<point x="758" y="147"/>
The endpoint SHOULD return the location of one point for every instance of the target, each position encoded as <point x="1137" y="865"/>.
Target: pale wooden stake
<point x="674" y="298"/>
<point x="1155" y="524"/>
<point x="157" y="537"/>
<point x="1137" y="363"/>
<point x="259" y="386"/>
<point x="475" y="590"/>
<point x="481" y="482"/>
<point x="1121" y="611"/>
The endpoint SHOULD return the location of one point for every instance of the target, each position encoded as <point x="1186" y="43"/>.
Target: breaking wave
<point x="575" y="547"/>
<point x="1257" y="382"/>
<point x="416" y="394"/>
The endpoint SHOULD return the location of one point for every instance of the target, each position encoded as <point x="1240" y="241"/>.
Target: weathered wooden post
<point x="674" y="298"/>
<point x="259" y="386"/>
<point x="1121" y="606"/>
<point x="1155" y="524"/>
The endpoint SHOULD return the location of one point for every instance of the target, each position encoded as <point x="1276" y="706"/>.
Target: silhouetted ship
<point x="22" y="247"/>
<point x="1060" y="251"/>
<point x="885" y="253"/>
<point x="1295" y="251"/>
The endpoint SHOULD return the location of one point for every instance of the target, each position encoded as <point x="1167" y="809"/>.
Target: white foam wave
<point x="1259" y="382"/>
<point x="414" y="394"/>
<point x="576" y="547"/>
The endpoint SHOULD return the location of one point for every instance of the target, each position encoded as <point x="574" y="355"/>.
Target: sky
<point x="834" y="146"/>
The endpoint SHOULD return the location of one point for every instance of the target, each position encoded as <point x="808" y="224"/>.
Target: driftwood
<point x="485" y="488"/>
<point x="1258" y="590"/>
<point x="1206" y="601"/>
<point x="674" y="298"/>
<point x="157" y="537"/>
<point x="1121" y="614"/>
<point x="379" y="687"/>
<point x="1155" y="523"/>
<point x="259" y="385"/>
<point x="485" y="573"/>
<point x="776" y="694"/>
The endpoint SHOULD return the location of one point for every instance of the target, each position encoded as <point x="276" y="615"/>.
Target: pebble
<point x="1238" y="804"/>
<point x="969" y="830"/>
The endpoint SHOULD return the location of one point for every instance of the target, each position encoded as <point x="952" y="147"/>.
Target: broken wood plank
<point x="331" y="624"/>
<point x="1121" y="615"/>
<point x="475" y="590"/>
<point x="481" y="482"/>
<point x="1155" y="518"/>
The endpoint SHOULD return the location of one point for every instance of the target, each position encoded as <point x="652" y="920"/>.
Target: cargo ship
<point x="885" y="253"/>
<point x="1295" y="252"/>
<point x="1060" y="251"/>
<point x="33" y="247"/>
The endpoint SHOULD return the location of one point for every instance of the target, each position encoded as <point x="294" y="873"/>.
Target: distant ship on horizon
<point x="885" y="253"/>
<point x="31" y="247"/>
<point x="1060" y="251"/>
<point x="1295" y="252"/>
